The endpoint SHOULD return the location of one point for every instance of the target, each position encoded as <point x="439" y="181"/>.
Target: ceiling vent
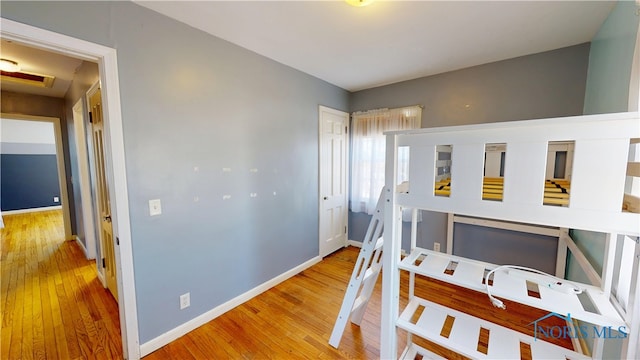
<point x="27" y="78"/>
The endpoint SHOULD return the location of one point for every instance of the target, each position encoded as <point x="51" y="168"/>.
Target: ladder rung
<point x="360" y="301"/>
<point x="368" y="273"/>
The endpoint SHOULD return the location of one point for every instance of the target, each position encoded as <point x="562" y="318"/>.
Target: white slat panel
<point x="524" y="173"/>
<point x="513" y="287"/>
<point x="569" y="302"/>
<point x="540" y="350"/>
<point x="468" y="273"/>
<point x="432" y="320"/>
<point x="422" y="171"/>
<point x="467" y="162"/>
<point x="504" y="343"/>
<point x="501" y="344"/>
<point x="599" y="170"/>
<point x="434" y="264"/>
<point x="504" y="284"/>
<point x="413" y="350"/>
<point x="465" y="332"/>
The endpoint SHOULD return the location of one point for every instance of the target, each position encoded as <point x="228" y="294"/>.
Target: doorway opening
<point x="114" y="158"/>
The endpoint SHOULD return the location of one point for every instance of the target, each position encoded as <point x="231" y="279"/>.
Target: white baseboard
<point x="171" y="335"/>
<point x="22" y="211"/>
<point x="84" y="248"/>
<point x="355" y="243"/>
<point x="101" y="278"/>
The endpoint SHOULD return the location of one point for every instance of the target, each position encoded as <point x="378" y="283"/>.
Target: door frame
<point x="60" y="164"/>
<point x="346" y="169"/>
<point x="114" y="157"/>
<point x="84" y="179"/>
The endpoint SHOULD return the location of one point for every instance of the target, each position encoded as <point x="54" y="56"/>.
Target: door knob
<point x="107" y="218"/>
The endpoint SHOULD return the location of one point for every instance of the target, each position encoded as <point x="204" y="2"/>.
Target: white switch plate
<point x="185" y="301"/>
<point x="155" y="207"/>
<point x="56" y="199"/>
<point x="436" y="246"/>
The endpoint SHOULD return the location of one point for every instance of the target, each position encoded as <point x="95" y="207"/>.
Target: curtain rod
<point x="385" y="109"/>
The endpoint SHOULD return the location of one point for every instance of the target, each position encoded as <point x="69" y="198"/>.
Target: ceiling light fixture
<point x="358" y="3"/>
<point x="9" y="65"/>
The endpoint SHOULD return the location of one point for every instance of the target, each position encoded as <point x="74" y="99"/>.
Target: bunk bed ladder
<point x="364" y="277"/>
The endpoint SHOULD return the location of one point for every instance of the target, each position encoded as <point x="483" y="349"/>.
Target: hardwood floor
<point x="53" y="305"/>
<point x="295" y="319"/>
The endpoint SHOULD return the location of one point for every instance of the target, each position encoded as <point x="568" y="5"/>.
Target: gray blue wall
<point x="541" y="85"/>
<point x="536" y="86"/>
<point x="192" y="100"/>
<point x="28" y="181"/>
<point x="610" y="62"/>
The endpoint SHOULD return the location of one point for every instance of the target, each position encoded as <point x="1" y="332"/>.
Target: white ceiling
<point x="360" y="48"/>
<point x="391" y="41"/>
<point x="40" y="62"/>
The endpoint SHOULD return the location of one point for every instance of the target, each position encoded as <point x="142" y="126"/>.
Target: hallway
<point x="53" y="305"/>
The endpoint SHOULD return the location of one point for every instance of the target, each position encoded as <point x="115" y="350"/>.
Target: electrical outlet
<point x="185" y="301"/>
<point x="155" y="207"/>
<point x="56" y="199"/>
<point x="436" y="246"/>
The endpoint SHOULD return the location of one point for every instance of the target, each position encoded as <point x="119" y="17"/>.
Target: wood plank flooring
<point x="53" y="305"/>
<point x="295" y="319"/>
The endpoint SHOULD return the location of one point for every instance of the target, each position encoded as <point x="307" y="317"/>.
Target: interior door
<point x="334" y="127"/>
<point x="102" y="192"/>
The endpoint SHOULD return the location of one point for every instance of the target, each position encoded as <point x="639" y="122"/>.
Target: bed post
<point x="450" y="225"/>
<point x="390" y="256"/>
<point x="632" y="341"/>
<point x="611" y="241"/>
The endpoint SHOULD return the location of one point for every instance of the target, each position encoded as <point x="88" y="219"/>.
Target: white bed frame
<point x="599" y="173"/>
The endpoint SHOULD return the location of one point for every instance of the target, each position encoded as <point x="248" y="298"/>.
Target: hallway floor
<point x="53" y="305"/>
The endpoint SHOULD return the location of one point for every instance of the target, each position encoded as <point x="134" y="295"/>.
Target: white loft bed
<point x="599" y="172"/>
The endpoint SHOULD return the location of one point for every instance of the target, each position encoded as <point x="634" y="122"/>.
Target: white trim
<point x="62" y="177"/>
<point x="107" y="62"/>
<point x="95" y="211"/>
<point x="85" y="183"/>
<point x="507" y="225"/>
<point x="171" y="335"/>
<point x="84" y="249"/>
<point x="355" y="243"/>
<point x="24" y="211"/>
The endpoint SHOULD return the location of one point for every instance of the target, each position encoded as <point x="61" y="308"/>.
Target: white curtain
<point x="368" y="152"/>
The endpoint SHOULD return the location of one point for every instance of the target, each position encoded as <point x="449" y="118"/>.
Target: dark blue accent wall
<point x="28" y="181"/>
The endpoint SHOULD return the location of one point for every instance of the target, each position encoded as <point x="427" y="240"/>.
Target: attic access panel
<point x="27" y="78"/>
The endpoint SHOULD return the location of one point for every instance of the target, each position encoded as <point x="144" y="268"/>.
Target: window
<point x="368" y="152"/>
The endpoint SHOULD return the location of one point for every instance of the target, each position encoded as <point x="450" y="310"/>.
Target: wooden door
<point x="103" y="205"/>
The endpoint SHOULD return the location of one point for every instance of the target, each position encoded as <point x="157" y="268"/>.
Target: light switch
<point x="155" y="208"/>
